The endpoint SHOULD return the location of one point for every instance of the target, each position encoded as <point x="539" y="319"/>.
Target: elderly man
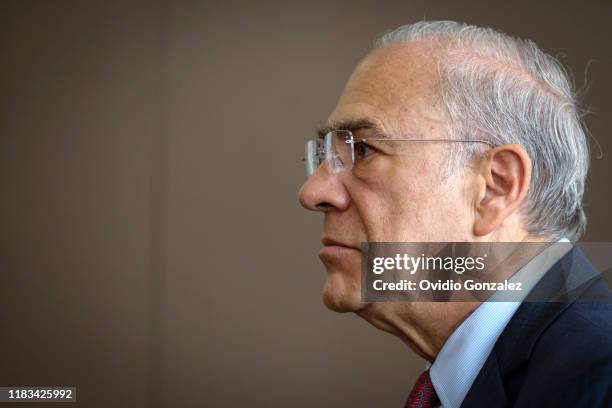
<point x="449" y="132"/>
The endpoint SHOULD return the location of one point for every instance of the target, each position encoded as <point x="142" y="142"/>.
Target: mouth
<point x="333" y="249"/>
<point x="329" y="241"/>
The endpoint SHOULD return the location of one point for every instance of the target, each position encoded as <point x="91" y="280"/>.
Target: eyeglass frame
<point x="352" y="141"/>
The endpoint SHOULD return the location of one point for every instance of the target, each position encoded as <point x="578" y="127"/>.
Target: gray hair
<point x="508" y="91"/>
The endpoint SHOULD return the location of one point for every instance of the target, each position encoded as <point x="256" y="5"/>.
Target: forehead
<point x="396" y="86"/>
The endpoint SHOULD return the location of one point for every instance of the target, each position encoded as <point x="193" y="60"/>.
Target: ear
<point x="506" y="175"/>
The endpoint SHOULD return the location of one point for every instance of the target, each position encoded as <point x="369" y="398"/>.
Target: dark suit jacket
<point x="553" y="354"/>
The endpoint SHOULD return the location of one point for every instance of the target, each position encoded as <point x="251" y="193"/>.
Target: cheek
<point x="411" y="201"/>
<point x="370" y="200"/>
<point x="403" y="202"/>
<point x="383" y="201"/>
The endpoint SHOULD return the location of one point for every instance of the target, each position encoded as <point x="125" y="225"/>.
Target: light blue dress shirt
<point x="455" y="368"/>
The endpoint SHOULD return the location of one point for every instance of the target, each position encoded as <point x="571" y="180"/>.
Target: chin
<point x="341" y="295"/>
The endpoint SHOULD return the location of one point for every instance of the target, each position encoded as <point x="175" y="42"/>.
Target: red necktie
<point x="423" y="394"/>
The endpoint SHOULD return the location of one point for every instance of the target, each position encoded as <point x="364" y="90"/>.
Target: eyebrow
<point x="350" y="124"/>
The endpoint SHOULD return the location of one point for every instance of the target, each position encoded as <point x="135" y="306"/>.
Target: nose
<point x="324" y="192"/>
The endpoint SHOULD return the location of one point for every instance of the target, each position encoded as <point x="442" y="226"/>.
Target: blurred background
<point x="153" y="252"/>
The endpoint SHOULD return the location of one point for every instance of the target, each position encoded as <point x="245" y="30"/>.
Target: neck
<point x="423" y="326"/>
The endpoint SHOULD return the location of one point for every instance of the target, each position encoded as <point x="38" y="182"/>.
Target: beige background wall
<point x="153" y="252"/>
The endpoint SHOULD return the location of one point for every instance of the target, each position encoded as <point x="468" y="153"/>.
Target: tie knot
<point x="423" y="394"/>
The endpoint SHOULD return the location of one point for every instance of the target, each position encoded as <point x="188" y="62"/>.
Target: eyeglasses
<point x="340" y="150"/>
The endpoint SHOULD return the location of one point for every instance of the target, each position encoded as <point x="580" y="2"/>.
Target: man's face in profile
<point x="397" y="191"/>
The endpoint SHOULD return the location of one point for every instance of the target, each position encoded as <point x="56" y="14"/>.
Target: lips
<point x="335" y="250"/>
<point x="328" y="242"/>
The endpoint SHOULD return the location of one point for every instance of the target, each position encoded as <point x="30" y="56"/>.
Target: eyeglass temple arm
<point x="353" y="141"/>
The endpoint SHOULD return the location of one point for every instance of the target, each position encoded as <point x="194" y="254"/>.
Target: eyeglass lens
<point x="332" y="149"/>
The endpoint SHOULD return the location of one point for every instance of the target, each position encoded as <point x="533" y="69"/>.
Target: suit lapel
<point x="488" y="388"/>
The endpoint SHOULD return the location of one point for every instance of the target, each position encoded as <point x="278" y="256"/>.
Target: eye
<point x="363" y="150"/>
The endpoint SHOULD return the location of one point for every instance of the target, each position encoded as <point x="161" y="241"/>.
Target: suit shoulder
<point x="595" y="316"/>
<point x="582" y="332"/>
